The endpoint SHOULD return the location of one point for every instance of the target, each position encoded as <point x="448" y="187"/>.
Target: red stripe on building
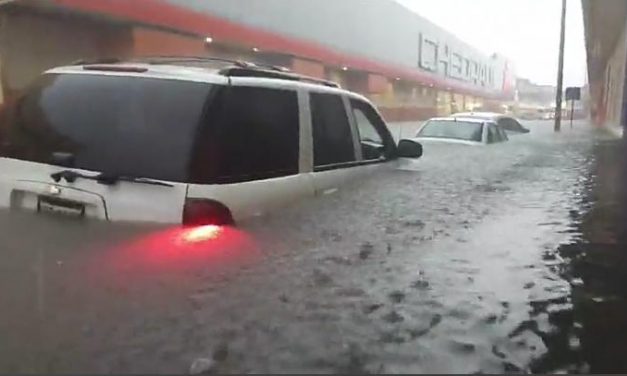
<point x="158" y="13"/>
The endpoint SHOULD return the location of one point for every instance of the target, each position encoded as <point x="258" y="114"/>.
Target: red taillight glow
<point x="203" y="212"/>
<point x="181" y="247"/>
<point x="201" y="234"/>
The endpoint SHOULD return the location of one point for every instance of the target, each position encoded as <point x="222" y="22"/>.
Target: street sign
<point x="573" y="93"/>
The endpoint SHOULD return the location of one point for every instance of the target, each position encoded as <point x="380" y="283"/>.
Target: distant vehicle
<point x="170" y="141"/>
<point x="529" y="115"/>
<point x="548" y="115"/>
<point x="508" y="123"/>
<point x="461" y="130"/>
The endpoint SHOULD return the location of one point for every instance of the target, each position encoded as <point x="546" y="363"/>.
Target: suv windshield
<point x="459" y="130"/>
<point x="115" y="124"/>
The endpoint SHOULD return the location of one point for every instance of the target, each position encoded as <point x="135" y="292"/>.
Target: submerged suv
<point x="184" y="140"/>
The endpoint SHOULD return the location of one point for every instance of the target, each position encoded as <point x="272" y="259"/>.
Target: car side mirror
<point x="409" y="149"/>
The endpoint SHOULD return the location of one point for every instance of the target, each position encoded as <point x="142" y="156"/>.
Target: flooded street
<point x="507" y="258"/>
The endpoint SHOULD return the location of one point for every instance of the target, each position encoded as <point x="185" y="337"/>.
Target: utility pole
<point x="560" y="72"/>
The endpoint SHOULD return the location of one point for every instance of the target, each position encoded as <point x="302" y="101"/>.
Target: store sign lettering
<point x="440" y="58"/>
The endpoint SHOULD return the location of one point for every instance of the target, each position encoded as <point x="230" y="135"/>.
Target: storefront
<point x="412" y="72"/>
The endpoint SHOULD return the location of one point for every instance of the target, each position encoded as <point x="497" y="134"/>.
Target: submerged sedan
<point x="508" y="123"/>
<point x="460" y="130"/>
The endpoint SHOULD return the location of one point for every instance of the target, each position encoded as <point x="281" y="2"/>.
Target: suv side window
<point x="332" y="135"/>
<point x="372" y="132"/>
<point x="251" y="133"/>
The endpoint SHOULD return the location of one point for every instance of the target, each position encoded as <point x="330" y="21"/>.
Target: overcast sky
<point x="525" y="31"/>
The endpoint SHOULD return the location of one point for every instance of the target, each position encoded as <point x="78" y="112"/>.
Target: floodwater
<point x="507" y="258"/>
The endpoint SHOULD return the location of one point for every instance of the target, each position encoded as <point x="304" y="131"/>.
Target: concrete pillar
<point x="308" y="68"/>
<point x="1" y="85"/>
<point x="377" y="84"/>
<point x="33" y="43"/>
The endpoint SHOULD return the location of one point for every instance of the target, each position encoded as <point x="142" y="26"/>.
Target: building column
<point x="2" y="36"/>
<point x="308" y="68"/>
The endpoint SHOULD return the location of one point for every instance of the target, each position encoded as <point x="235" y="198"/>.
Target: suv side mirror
<point x="409" y="149"/>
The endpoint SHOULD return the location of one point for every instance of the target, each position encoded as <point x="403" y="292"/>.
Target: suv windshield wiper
<point x="112" y="179"/>
<point x="103" y="178"/>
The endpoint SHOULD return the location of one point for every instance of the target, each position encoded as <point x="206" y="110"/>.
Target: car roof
<point x="482" y="115"/>
<point x="460" y="119"/>
<point x="215" y="71"/>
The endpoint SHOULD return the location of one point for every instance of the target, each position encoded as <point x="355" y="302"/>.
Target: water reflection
<point x="590" y="336"/>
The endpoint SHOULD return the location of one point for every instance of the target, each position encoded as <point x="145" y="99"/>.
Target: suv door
<point x="376" y="143"/>
<point x="113" y="146"/>
<point x="335" y="151"/>
<point x="249" y="149"/>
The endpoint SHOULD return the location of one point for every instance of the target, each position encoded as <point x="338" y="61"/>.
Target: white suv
<point x="184" y="140"/>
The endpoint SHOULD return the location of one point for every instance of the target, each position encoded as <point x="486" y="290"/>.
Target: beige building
<point x="412" y="71"/>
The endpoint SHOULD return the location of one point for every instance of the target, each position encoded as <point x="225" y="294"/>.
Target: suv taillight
<point x="201" y="212"/>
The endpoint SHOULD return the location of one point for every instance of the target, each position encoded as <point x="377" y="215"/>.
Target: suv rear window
<point x="134" y="126"/>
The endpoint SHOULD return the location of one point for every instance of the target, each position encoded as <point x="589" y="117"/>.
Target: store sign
<point x="442" y="59"/>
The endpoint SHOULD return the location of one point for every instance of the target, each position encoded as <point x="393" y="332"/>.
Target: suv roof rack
<point x="234" y="68"/>
<point x="242" y="68"/>
<point x="169" y="59"/>
<point x="103" y="60"/>
<point x="283" y="75"/>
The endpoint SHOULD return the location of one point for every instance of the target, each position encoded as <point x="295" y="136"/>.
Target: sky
<point x="524" y="31"/>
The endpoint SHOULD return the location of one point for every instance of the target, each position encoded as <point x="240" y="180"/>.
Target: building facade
<point x="605" y="25"/>
<point x="411" y="68"/>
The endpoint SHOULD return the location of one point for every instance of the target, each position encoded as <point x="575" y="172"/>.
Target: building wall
<point x="614" y="82"/>
<point x="33" y="43"/>
<point x="2" y="35"/>
<point x="309" y="68"/>
<point x="1" y="83"/>
<point x="351" y="26"/>
<point x="148" y="42"/>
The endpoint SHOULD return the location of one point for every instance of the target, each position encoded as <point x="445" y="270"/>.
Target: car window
<point x="372" y="136"/>
<point x="251" y="133"/>
<point x="493" y="134"/>
<point x="453" y="129"/>
<point x="134" y="126"/>
<point x="502" y="133"/>
<point x="332" y="136"/>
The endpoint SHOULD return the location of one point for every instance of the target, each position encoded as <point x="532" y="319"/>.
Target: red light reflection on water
<point x="201" y="234"/>
<point x="179" y="249"/>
